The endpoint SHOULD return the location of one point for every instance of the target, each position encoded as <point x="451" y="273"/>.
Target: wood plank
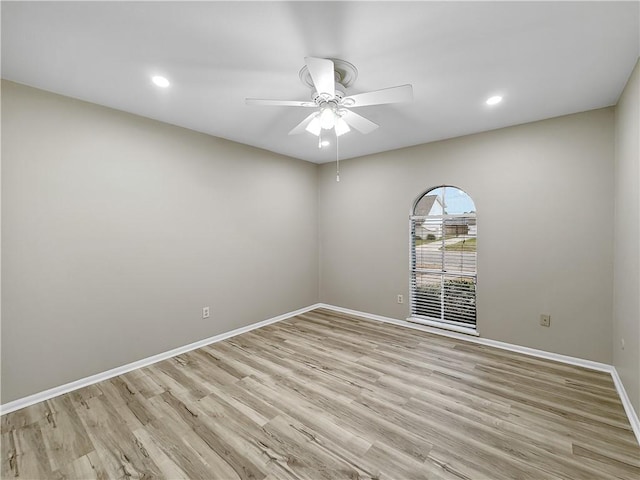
<point x="327" y="395"/>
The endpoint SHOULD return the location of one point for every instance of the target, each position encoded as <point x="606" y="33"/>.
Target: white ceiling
<point x="546" y="58"/>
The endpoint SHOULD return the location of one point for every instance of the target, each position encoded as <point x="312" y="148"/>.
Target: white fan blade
<point x="358" y="122"/>
<point x="278" y="103"/>
<point x="402" y="93"/>
<point x="322" y="74"/>
<point x="301" y="127"/>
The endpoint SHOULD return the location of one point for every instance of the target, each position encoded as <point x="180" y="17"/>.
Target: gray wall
<point x="544" y="196"/>
<point x="626" y="284"/>
<point x="118" y="229"/>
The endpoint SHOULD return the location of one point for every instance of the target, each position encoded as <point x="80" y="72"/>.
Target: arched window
<point x="443" y="259"/>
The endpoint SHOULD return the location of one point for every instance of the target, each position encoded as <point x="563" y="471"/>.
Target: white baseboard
<point x="580" y="362"/>
<point x="626" y="403"/>
<point x="83" y="382"/>
<point x="602" y="367"/>
<point x="114" y="372"/>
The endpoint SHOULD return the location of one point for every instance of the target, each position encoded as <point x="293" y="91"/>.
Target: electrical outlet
<point x="400" y="298"/>
<point x="205" y="312"/>
<point x="545" y="320"/>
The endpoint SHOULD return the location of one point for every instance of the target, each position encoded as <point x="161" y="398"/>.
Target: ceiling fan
<point x="328" y="80"/>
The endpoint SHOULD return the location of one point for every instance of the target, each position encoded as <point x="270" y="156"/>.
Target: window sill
<point x="445" y="326"/>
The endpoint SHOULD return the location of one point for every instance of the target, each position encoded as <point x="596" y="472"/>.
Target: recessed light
<point x="325" y="143"/>
<point x="160" y="81"/>
<point x="494" y="100"/>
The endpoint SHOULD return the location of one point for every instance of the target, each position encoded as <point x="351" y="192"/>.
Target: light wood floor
<point x="329" y="396"/>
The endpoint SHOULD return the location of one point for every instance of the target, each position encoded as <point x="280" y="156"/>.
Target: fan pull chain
<point x="337" y="160"/>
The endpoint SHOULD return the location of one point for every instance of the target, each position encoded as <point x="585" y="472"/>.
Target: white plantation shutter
<point x="443" y="258"/>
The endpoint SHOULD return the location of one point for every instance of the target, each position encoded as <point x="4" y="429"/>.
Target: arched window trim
<point x="443" y="278"/>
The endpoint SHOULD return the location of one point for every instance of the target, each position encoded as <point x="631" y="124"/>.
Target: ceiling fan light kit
<point x="328" y="115"/>
<point x="329" y="79"/>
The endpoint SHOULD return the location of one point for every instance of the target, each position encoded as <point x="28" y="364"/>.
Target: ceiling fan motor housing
<point x="319" y="98"/>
